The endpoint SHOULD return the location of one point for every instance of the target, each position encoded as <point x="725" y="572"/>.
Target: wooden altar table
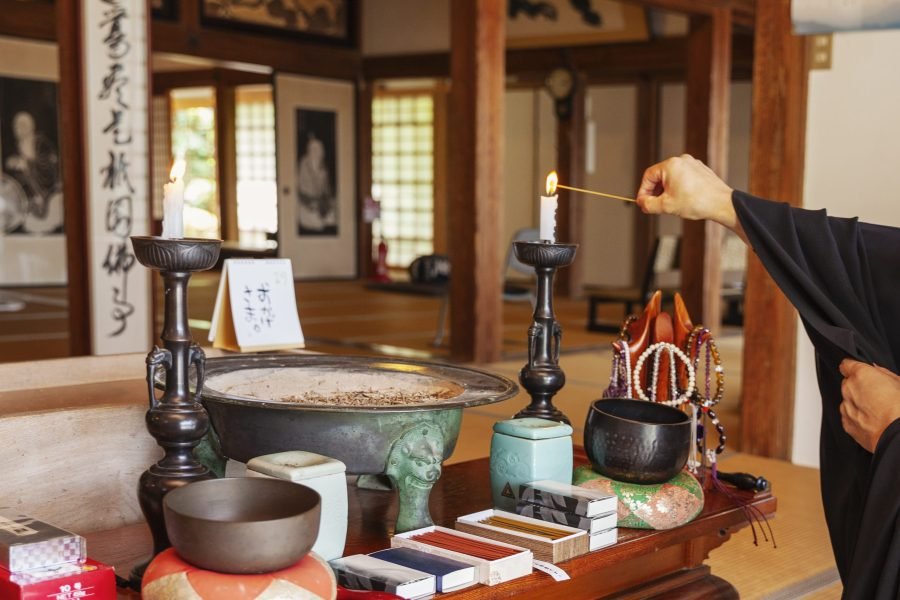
<point x="642" y="564"/>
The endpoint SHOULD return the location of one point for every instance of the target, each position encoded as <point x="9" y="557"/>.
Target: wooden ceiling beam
<point x="189" y="35"/>
<point x="743" y="12"/>
<point x="33" y="20"/>
<point x="164" y="81"/>
<point x="665" y="57"/>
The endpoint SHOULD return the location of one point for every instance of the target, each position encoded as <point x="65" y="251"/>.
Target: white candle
<point x="548" y="218"/>
<point x="548" y="209"/>
<point x="173" y="202"/>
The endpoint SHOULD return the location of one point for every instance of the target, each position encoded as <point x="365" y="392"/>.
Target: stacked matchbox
<point x="38" y="560"/>
<point x="406" y="572"/>
<point x="364" y="572"/>
<point x="573" y="506"/>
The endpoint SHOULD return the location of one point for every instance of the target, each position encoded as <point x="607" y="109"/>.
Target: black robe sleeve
<point x="843" y="277"/>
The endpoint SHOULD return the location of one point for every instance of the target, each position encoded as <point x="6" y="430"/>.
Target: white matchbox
<point x="487" y="572"/>
<point x="552" y="551"/>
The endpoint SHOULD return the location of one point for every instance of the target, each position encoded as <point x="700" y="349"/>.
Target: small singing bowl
<point x="242" y="525"/>
<point x="636" y="441"/>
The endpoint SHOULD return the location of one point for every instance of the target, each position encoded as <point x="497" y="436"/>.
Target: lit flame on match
<point x="552" y="180"/>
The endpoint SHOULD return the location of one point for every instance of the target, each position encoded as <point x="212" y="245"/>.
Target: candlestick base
<point x="177" y="420"/>
<point x="542" y="377"/>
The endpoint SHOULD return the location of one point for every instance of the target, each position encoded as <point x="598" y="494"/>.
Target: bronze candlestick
<point x="542" y="377"/>
<point x="177" y="420"/>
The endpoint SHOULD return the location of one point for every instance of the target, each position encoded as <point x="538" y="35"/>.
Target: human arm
<point x="871" y="401"/>
<point x="685" y="187"/>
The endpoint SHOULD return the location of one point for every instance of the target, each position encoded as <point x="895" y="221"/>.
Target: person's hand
<point x="685" y="187"/>
<point x="871" y="401"/>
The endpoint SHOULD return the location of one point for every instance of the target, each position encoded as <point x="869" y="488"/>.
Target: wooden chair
<point x="662" y="272"/>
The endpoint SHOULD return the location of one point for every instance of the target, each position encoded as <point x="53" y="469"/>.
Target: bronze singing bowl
<point x="636" y="441"/>
<point x="242" y="525"/>
<point x="360" y="436"/>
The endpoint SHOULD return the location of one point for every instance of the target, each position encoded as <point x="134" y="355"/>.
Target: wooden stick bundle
<point x="545" y="531"/>
<point x="457" y="543"/>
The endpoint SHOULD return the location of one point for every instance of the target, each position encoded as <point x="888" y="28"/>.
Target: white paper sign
<point x="256" y="308"/>
<point x="554" y="571"/>
<point x="115" y="87"/>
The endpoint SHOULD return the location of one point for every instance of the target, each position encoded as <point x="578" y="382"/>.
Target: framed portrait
<point x="32" y="214"/>
<point x="541" y="23"/>
<point x="315" y="177"/>
<point x="319" y="20"/>
<point x="315" y="132"/>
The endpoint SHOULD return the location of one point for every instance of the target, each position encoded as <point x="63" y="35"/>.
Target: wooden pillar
<point x="74" y="182"/>
<point x="364" y="174"/>
<point x="477" y="67"/>
<point x="570" y="219"/>
<point x="226" y="158"/>
<point x="706" y="138"/>
<point x="777" y="151"/>
<point x="647" y="139"/>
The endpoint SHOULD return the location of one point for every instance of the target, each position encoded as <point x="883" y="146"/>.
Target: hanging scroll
<point x="116" y="124"/>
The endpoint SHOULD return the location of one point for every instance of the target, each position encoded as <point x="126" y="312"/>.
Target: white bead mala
<point x="656" y="350"/>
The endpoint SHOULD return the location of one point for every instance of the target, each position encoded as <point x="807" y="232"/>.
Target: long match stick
<point x="613" y="196"/>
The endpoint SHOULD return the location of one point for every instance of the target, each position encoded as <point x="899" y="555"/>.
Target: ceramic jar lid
<point x="296" y="465"/>
<point x="531" y="428"/>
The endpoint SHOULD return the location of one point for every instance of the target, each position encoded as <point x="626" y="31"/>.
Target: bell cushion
<point x="654" y="506"/>
<point x="169" y="577"/>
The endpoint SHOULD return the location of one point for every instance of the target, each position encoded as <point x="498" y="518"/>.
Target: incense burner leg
<point x="414" y="465"/>
<point x="381" y="483"/>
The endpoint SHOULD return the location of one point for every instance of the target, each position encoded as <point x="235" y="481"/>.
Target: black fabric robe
<point x="843" y="277"/>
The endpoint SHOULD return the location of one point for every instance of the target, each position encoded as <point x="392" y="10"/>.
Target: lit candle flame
<point x="552" y="180"/>
<point x="178" y="169"/>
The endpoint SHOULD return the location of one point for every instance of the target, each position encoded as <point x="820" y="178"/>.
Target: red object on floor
<point x="381" y="268"/>
<point x="90" y="580"/>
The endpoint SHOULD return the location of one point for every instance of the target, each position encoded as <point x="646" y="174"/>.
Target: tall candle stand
<point x="177" y="420"/>
<point x="542" y="377"/>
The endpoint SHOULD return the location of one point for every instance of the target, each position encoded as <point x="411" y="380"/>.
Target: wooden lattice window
<point x="403" y="171"/>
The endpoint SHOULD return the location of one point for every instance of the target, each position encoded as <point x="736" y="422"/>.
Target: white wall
<point x="405" y="26"/>
<point x="608" y="224"/>
<point x="672" y="112"/>
<point x="852" y="129"/>
<point x="529" y="154"/>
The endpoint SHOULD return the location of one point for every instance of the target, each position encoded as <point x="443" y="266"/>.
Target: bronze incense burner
<point x="406" y="441"/>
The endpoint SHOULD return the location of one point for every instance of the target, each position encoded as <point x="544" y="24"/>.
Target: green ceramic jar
<point x="525" y="450"/>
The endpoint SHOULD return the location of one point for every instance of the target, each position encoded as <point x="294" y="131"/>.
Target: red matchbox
<point x="89" y="580"/>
